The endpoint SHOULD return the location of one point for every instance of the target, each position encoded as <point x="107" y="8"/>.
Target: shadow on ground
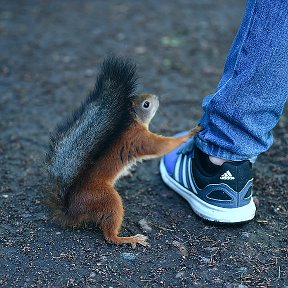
<point x="50" y="53"/>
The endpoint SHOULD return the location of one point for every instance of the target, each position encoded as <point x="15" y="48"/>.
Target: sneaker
<point x="215" y="193"/>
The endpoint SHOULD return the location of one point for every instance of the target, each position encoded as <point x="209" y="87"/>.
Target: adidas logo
<point x="227" y="176"/>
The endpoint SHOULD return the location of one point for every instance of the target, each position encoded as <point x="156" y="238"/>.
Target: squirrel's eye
<point x="146" y="104"/>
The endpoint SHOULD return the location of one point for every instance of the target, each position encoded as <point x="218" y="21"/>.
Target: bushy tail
<point x="103" y="116"/>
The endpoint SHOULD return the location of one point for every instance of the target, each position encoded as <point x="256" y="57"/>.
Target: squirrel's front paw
<point x="195" y="130"/>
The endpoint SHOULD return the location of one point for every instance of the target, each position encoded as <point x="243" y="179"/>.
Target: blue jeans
<point x="249" y="100"/>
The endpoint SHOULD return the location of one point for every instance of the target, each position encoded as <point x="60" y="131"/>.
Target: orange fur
<point x="94" y="197"/>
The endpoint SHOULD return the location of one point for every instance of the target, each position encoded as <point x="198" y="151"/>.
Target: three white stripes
<point x="187" y="179"/>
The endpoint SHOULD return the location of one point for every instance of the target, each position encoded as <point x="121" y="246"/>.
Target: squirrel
<point x="92" y="149"/>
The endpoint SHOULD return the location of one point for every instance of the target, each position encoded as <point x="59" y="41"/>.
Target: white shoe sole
<point x="206" y="210"/>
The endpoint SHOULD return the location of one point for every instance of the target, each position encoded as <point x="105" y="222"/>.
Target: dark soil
<point x="50" y="53"/>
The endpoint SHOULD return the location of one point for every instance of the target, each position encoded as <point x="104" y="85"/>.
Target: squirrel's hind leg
<point x="108" y="214"/>
<point x="133" y="240"/>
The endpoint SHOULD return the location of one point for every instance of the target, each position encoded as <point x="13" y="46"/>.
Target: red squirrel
<point x="98" y="144"/>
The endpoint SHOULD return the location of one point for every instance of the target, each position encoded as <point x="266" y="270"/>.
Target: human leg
<point x="238" y="119"/>
<point x="249" y="100"/>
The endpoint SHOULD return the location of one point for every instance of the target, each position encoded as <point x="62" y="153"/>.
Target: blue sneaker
<point x="215" y="193"/>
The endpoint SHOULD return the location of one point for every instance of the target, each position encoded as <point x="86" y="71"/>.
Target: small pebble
<point x="242" y="270"/>
<point x="92" y="274"/>
<point x="144" y="225"/>
<point x="182" y="249"/>
<point x="128" y="256"/>
<point x="205" y="259"/>
<point x="245" y="235"/>
<point x="180" y="274"/>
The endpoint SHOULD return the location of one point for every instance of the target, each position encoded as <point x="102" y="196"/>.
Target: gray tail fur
<point x="103" y="116"/>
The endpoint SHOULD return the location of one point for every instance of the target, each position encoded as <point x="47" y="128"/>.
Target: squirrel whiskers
<point x="97" y="145"/>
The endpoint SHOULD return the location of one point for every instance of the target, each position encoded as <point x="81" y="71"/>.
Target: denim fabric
<point x="249" y="100"/>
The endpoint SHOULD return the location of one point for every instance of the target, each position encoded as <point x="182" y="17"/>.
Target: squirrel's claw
<point x="133" y="240"/>
<point x="140" y="239"/>
<point x="195" y="130"/>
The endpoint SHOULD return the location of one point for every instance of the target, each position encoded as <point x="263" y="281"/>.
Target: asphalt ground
<point x="50" y="53"/>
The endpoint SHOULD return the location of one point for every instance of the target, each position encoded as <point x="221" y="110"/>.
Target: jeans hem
<point x="218" y="152"/>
